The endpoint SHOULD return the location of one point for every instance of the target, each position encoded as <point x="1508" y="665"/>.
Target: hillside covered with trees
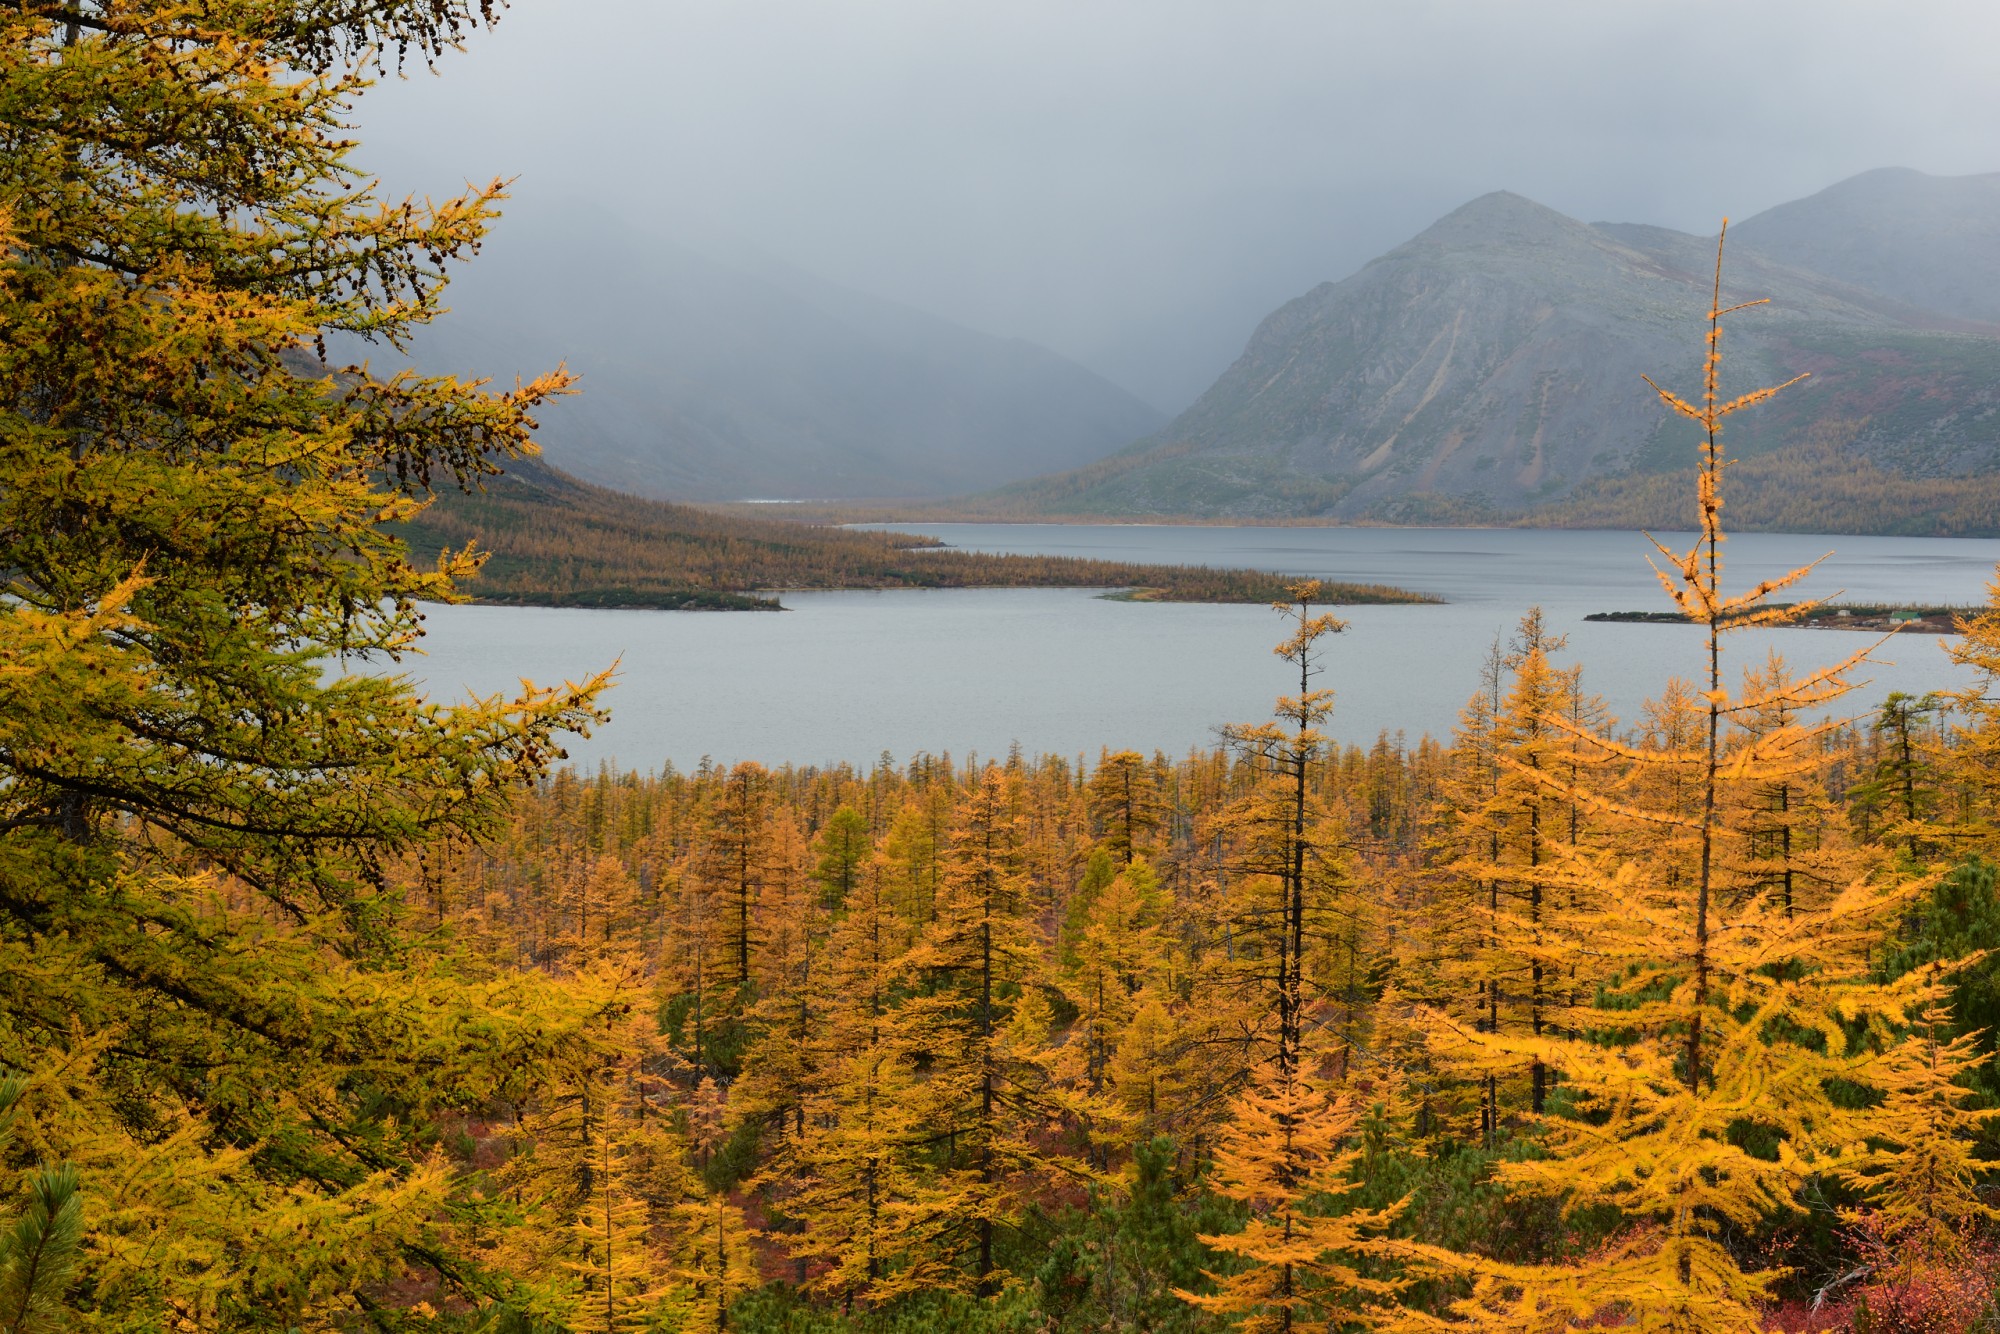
<point x="325" y="1008"/>
<point x="551" y="540"/>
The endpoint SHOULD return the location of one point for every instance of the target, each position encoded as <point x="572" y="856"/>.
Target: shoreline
<point x="1914" y="619"/>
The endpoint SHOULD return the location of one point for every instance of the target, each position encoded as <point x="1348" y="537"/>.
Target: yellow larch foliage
<point x="1787" y="839"/>
<point x="1920" y="1169"/>
<point x="224" y="1019"/>
<point x="1306" y="1263"/>
<point x="853" y="1175"/>
<point x="1287" y="890"/>
<point x="1150" y="1069"/>
<point x="975" y="1022"/>
<point x="613" y="1250"/>
<point x="786" y="1060"/>
<point x="1124" y="802"/>
<point x="713" y="1261"/>
<point x="1117" y="956"/>
<point x="1518" y="895"/>
<point x="600" y="913"/>
<point x="1721" y="1019"/>
<point x="1976" y="743"/>
<point x="596" y="1172"/>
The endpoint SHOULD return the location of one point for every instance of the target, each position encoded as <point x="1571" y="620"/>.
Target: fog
<point x="1134" y="183"/>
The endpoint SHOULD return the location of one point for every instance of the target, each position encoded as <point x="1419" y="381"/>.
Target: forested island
<point x="554" y="541"/>
<point x="1913" y="618"/>
<point x="324" y="1007"/>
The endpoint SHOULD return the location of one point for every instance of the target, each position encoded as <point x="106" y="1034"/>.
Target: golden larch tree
<point x="1306" y="1261"/>
<point x="1719" y="1013"/>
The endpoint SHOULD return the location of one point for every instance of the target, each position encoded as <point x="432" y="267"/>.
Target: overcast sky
<point x="1135" y="183"/>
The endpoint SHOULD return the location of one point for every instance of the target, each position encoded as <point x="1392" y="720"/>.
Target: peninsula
<point x="557" y="541"/>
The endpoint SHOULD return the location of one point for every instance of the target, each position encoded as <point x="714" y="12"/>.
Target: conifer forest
<point x="327" y="1008"/>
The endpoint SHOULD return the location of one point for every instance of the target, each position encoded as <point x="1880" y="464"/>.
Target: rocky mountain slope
<point x="1491" y="367"/>
<point x="704" y="381"/>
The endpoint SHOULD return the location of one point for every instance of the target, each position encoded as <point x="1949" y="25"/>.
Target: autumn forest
<point x="1278" y="1034"/>
<point x="325" y="1006"/>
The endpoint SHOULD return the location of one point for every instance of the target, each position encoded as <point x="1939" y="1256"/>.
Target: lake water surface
<point x="847" y="676"/>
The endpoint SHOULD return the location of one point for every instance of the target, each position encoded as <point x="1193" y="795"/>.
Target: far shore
<point x="1913" y="619"/>
<point x="885" y="514"/>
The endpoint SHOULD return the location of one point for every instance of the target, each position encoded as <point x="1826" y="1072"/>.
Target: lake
<point x="848" y="676"/>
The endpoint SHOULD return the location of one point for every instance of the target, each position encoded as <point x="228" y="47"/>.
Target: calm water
<point x="847" y="676"/>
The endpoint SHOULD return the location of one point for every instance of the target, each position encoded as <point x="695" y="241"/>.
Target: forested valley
<point x="325" y="1006"/>
<point x="1012" y="1043"/>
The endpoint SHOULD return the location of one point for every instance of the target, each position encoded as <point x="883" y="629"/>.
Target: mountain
<point x="705" y="381"/>
<point x="1932" y="241"/>
<point x="1491" y="366"/>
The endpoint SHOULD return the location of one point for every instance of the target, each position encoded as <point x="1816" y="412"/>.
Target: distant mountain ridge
<point x="703" y="381"/>
<point x="1930" y="241"/>
<point x="1489" y="368"/>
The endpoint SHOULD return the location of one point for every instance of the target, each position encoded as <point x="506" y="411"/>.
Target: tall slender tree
<point x="1124" y="801"/>
<point x="1516" y="868"/>
<point x="1920" y="1170"/>
<point x="1284" y="1154"/>
<point x="1720" y="1016"/>
<point x="1284" y="837"/>
<point x="1976" y="745"/>
<point x="1788" y="840"/>
<point x="856" y="1177"/>
<point x="972" y="1024"/>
